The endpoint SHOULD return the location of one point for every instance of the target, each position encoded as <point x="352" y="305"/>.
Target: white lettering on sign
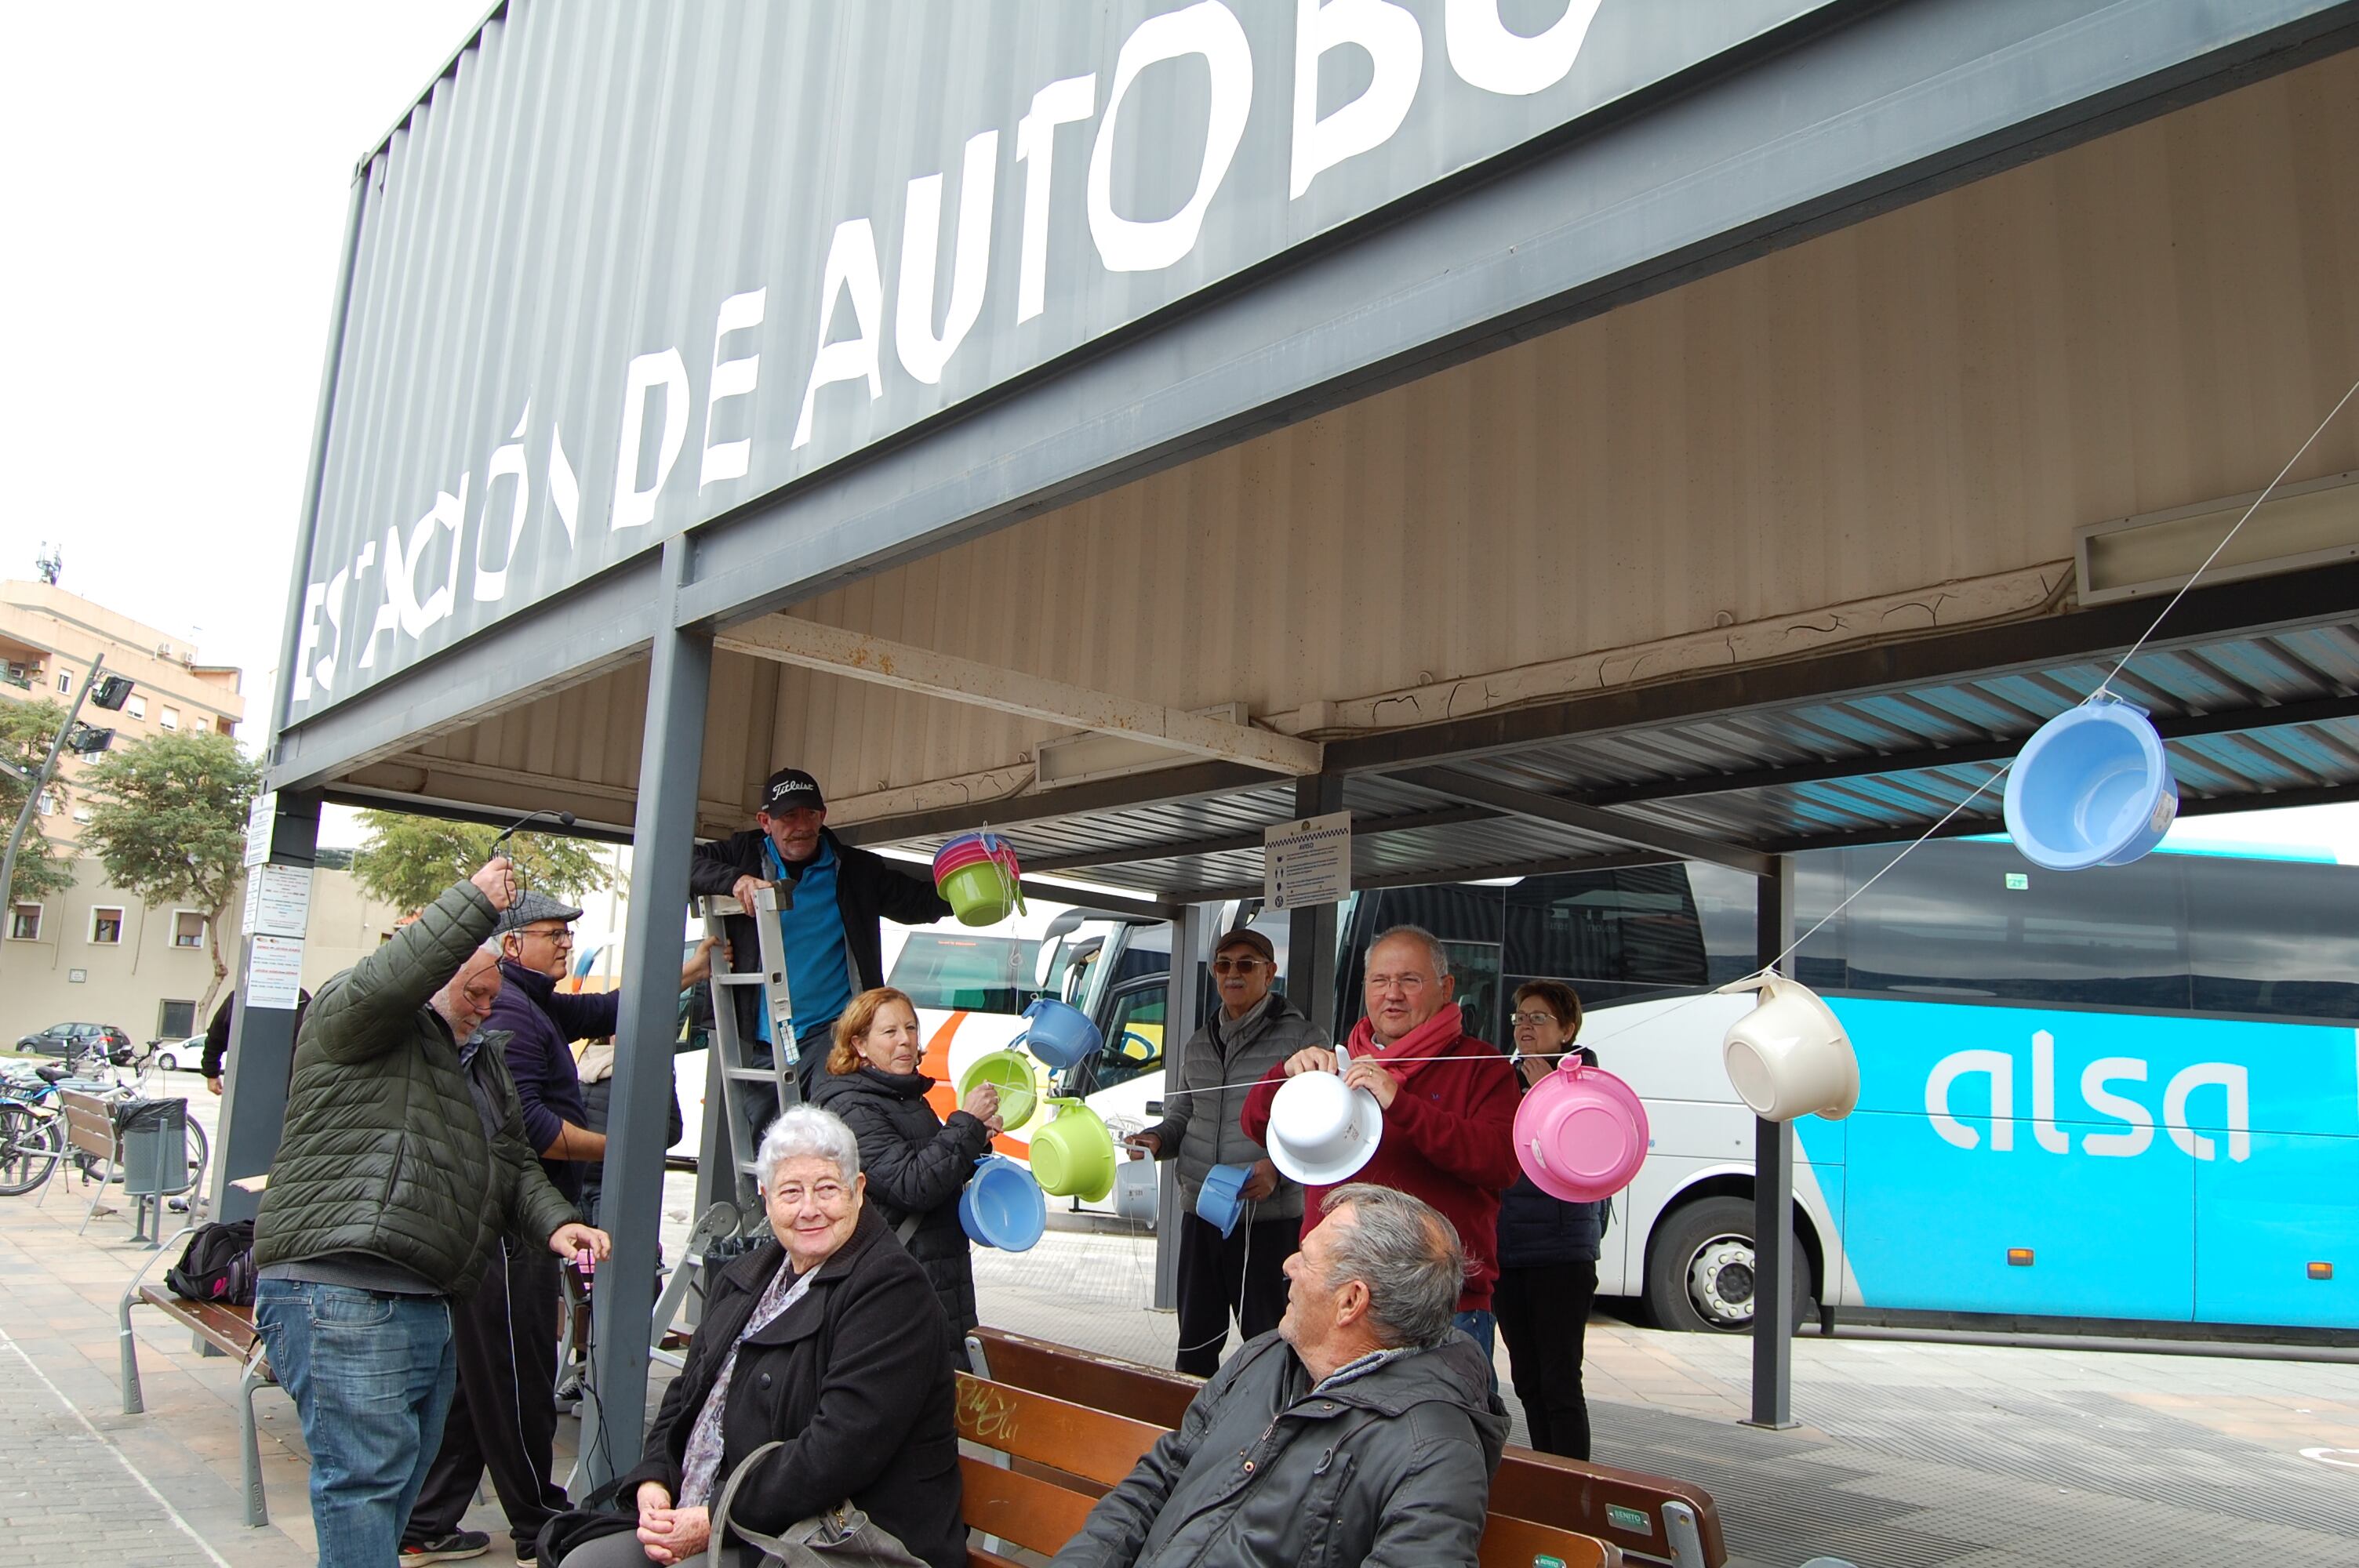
<point x="635" y="504"/>
<point x="374" y="606"/>
<point x="852" y="271"/>
<point x="1208" y="28"/>
<point x="922" y="353"/>
<point x="2099" y="1092"/>
<point x="1394" y="43"/>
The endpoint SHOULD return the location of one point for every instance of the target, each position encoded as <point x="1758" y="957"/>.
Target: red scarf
<point x="1408" y="1056"/>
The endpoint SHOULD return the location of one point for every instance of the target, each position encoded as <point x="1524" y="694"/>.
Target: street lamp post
<point x="40" y="782"/>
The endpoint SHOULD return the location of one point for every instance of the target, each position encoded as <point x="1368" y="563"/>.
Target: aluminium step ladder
<point x="732" y="1068"/>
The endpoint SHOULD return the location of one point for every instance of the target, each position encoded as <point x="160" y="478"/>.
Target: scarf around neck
<point x="1413" y="1052"/>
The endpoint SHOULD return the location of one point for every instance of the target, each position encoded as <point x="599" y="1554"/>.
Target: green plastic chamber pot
<point x="1072" y="1156"/>
<point x="1011" y="1074"/>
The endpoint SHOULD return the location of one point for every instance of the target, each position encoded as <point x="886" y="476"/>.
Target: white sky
<point x="172" y="196"/>
<point x="173" y="182"/>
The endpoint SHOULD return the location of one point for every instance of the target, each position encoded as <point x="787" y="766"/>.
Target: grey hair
<point x="1434" y="946"/>
<point x="805" y="1131"/>
<point x="1407" y="1253"/>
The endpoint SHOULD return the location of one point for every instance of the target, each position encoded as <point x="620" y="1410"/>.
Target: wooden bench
<point x="1062" y="1457"/>
<point x="1650" y="1519"/>
<point x="219" y="1328"/>
<point x="90" y="1129"/>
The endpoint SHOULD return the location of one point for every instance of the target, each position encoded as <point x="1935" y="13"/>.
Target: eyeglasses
<point x="1534" y="1019"/>
<point x="562" y="935"/>
<point x="827" y="1194"/>
<point x="1237" y="965"/>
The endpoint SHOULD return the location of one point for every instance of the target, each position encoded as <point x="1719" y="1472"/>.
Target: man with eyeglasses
<point x="1244" y="1272"/>
<point x="1448" y="1102"/>
<point x="503" y="1416"/>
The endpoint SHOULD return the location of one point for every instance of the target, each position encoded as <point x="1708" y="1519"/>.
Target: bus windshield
<point x="971" y="974"/>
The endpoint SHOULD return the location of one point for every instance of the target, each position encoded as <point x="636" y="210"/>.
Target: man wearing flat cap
<point x="503" y="1417"/>
<point x="830" y="898"/>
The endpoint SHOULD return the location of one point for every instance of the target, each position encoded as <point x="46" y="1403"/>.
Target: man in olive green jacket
<point x="402" y="1162"/>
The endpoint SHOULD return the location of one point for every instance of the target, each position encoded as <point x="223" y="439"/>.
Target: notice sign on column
<point x="274" y="972"/>
<point x="1307" y="862"/>
<point x="280" y="903"/>
<point x="258" y="819"/>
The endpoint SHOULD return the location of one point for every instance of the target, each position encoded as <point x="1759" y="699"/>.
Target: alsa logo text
<point x="2104" y="1099"/>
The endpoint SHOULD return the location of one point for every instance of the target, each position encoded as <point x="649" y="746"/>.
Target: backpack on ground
<point x="218" y="1265"/>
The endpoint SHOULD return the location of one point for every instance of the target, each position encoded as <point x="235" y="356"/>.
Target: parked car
<point x="169" y="1056"/>
<point x="76" y="1040"/>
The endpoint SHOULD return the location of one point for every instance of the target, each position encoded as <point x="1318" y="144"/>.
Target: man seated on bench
<point x="1363" y="1430"/>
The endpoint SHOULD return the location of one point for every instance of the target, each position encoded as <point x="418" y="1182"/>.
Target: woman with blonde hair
<point x="917" y="1162"/>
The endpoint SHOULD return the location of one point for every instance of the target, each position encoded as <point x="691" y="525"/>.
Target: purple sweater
<point x="542" y="1023"/>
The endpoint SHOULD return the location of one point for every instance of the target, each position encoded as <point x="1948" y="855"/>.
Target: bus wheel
<point x="1699" y="1277"/>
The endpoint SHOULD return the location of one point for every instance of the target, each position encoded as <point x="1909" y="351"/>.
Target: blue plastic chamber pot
<point x="2093" y="787"/>
<point x="1002" y="1206"/>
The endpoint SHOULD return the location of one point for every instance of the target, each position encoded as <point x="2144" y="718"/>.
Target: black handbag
<point x="594" y="1521"/>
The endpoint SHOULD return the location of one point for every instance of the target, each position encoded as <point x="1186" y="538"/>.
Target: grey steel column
<point x="671" y="758"/>
<point x="1310" y="933"/>
<point x="261" y="1044"/>
<point x="1773" y="1196"/>
<point x="1180" y="1022"/>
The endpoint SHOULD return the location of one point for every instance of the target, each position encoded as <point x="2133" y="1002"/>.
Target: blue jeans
<point x="371" y="1375"/>
<point x="1484" y="1327"/>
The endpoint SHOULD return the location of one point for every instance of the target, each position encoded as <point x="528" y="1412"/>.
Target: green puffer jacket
<point x="383" y="1152"/>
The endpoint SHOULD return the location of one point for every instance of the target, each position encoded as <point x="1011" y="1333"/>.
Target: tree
<point x="408" y="860"/>
<point x="168" y="820"/>
<point x="25" y="731"/>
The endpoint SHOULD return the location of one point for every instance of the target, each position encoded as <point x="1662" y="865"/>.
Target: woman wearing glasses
<point x="1548" y="1252"/>
<point x="817" y="1391"/>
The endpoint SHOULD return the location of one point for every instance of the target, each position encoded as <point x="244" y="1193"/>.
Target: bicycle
<point x="32" y="1124"/>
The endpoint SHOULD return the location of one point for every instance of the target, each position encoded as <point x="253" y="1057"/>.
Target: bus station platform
<point x="1909" y="1454"/>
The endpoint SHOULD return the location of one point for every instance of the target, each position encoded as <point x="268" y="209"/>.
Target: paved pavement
<point x="1911" y="1455"/>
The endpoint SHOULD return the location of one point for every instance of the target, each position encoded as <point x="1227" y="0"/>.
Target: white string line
<point x="2103" y="686"/>
<point x="1980" y="789"/>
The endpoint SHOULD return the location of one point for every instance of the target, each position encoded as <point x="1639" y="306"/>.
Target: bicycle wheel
<point x="29" y="1147"/>
<point x="197" y="1150"/>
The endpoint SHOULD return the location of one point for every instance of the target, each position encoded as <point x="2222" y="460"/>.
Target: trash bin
<point x="155" y="1134"/>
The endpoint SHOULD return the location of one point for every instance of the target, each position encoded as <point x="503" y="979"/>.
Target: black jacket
<point x="867" y="888"/>
<point x="916" y="1164"/>
<point x="1390" y="1469"/>
<point x="856" y="1378"/>
<point x="215" y="1057"/>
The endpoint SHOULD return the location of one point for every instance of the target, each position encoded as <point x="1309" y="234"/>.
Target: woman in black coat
<point x="916" y="1164"/>
<point x="831" y="1343"/>
<point x="1548" y="1253"/>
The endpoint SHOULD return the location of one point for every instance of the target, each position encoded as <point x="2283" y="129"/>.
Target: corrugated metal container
<point x="628" y="267"/>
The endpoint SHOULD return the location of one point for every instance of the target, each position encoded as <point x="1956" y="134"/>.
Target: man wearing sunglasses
<point x="1244" y="1272"/>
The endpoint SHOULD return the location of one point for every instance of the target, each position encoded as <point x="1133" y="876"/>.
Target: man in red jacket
<point x="1449" y="1102"/>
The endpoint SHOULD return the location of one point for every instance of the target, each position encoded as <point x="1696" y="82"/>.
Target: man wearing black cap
<point x="831" y="897"/>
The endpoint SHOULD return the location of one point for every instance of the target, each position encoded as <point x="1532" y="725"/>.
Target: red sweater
<point x="1449" y="1139"/>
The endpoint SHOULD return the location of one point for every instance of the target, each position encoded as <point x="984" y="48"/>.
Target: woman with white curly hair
<point x="817" y="1391"/>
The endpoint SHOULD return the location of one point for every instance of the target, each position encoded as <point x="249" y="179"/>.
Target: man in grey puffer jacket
<point x="1244" y="1272"/>
<point x="1364" y="1430"/>
<point x="403" y="1158"/>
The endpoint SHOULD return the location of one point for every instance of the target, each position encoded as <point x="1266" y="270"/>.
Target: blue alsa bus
<point x="2129" y="1093"/>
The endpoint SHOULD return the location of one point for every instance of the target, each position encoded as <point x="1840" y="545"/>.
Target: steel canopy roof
<point x="1813" y="754"/>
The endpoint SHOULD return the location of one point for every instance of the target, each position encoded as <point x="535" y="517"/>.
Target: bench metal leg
<point x="128" y="1347"/>
<point x="257" y="1373"/>
<point x="96" y="1198"/>
<point x="1685" y="1539"/>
